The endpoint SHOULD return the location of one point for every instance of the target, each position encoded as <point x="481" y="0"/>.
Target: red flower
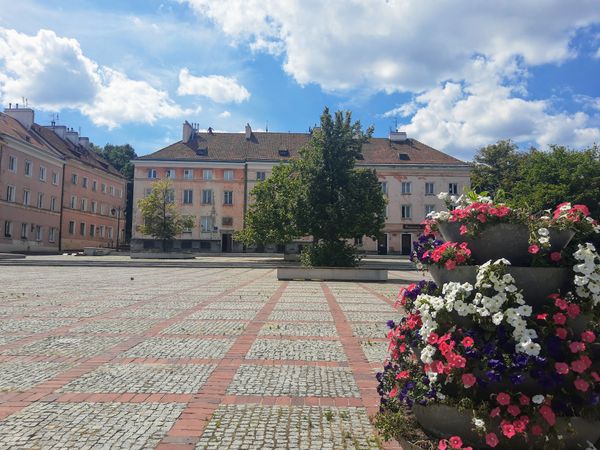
<point x="533" y="249"/>
<point x="543" y="316"/>
<point x="394" y="391"/>
<point x="482" y="218"/>
<point x="491" y="439"/>
<point x="519" y="426"/>
<point x="561" y="333"/>
<point x="508" y="429"/>
<point x="595" y="376"/>
<point x="561" y="303"/>
<point x="513" y="410"/>
<point x="450" y="264"/>
<point x="442" y="445"/>
<point x="555" y="256"/>
<point x="573" y="310"/>
<point x="503" y="398"/>
<point x="579" y="366"/>
<point x="402" y="375"/>
<point x="577" y="347"/>
<point x="433" y="338"/>
<point x="588" y="336"/>
<point x="561" y="368"/>
<point x="467" y="341"/>
<point x="581" y="208"/>
<point x="548" y="415"/>
<point x="581" y="385"/>
<point x="463" y="229"/>
<point x="559" y="318"/>
<point x="536" y="430"/>
<point x="468" y="380"/>
<point x="455" y="442"/>
<point x="495" y="412"/>
<point x="524" y="400"/>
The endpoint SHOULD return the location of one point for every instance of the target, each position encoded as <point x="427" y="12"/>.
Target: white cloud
<point x="53" y="73"/>
<point x="218" y="88"/>
<point x="225" y="114"/>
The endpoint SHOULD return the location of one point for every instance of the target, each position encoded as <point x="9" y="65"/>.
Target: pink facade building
<point x="213" y="174"/>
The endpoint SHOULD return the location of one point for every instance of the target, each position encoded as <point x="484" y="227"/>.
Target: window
<point x="38" y="233"/>
<point x="406" y="187"/>
<point x="228" y="175"/>
<point x="111" y="190"/>
<point x="92" y="230"/>
<point x="73" y="203"/>
<point x="42" y="173"/>
<point x="102" y="209"/>
<point x="94" y="206"/>
<point x="94" y="185"/>
<point x="82" y="228"/>
<point x="358" y="241"/>
<point x="207" y="174"/>
<point x="429" y="189"/>
<point x="103" y="188"/>
<point x="24" y="231"/>
<point x="147" y="192"/>
<point x="188" y="174"/>
<point x="151" y="173"/>
<point x="10" y="193"/>
<point x="120" y="193"/>
<point x="406" y="211"/>
<point x="52" y="203"/>
<point x="170" y="196"/>
<point x="260" y="176"/>
<point x="228" y="198"/>
<point x="40" y="200"/>
<point x="101" y="231"/>
<point x="28" y="168"/>
<point x="453" y="189"/>
<point x="429" y="209"/>
<point x="170" y="173"/>
<point x="84" y="182"/>
<point x="110" y="232"/>
<point x="188" y="196"/>
<point x="84" y="204"/>
<point x="54" y="178"/>
<point x="384" y="188"/>
<point x="26" y="197"/>
<point x="12" y="163"/>
<point x="74" y="178"/>
<point x="71" y="227"/>
<point x="52" y="235"/>
<point x="7" y="228"/>
<point x="227" y="221"/>
<point x="206" y="224"/>
<point x="207" y="196"/>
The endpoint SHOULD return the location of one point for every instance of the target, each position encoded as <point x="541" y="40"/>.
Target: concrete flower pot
<point x="443" y="421"/>
<point x="559" y="239"/>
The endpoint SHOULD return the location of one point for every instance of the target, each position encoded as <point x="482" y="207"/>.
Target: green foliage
<point x="161" y="219"/>
<point x="495" y="167"/>
<point x="321" y="194"/>
<point x="120" y="156"/>
<point x="335" y="253"/>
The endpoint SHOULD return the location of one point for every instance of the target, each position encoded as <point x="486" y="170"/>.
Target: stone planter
<point x="559" y="239"/>
<point x="536" y="283"/>
<point x="443" y="421"/>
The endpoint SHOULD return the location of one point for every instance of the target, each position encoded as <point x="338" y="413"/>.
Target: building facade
<point x="213" y="175"/>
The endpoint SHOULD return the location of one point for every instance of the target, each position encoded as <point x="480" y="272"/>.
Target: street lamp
<point x="117" y="211"/>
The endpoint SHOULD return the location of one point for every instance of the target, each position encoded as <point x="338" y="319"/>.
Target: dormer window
<point x="202" y="152"/>
<point x="284" y="153"/>
<point x="403" y="157"/>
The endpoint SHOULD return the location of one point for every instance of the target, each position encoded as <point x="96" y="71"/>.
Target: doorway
<point x="382" y="244"/>
<point x="406" y="243"/>
<point x="226" y="243"/>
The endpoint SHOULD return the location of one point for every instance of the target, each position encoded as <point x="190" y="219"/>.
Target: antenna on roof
<point x="267" y="127"/>
<point x="395" y="123"/>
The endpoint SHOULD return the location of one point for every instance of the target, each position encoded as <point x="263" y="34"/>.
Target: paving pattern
<point x="181" y="358"/>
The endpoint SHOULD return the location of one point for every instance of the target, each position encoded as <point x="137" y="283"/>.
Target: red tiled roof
<point x="13" y="128"/>
<point x="266" y="147"/>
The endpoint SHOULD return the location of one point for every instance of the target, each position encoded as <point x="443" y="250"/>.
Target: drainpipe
<point x="60" y="221"/>
<point x="245" y="198"/>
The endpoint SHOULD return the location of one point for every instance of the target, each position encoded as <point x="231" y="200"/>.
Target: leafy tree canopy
<point x="120" y="156"/>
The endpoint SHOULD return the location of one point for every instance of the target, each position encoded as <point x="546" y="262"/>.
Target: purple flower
<point x="391" y="325"/>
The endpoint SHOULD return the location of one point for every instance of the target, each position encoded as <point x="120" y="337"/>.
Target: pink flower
<point x="467" y="341"/>
<point x="561" y="333"/>
<point x="577" y="347"/>
<point x="450" y="264"/>
<point x="442" y="445"/>
<point x="463" y="229"/>
<point x="536" y="430"/>
<point x="503" y="398"/>
<point x="513" y="410"/>
<point x="555" y="256"/>
<point x="573" y="310"/>
<point x="595" y="376"/>
<point x="561" y="303"/>
<point x="482" y="218"/>
<point x="468" y="380"/>
<point x="548" y="415"/>
<point x="402" y="375"/>
<point x="578" y="366"/>
<point x="561" y="368"/>
<point x="559" y="318"/>
<point x="533" y="249"/>
<point x="524" y="400"/>
<point x="588" y="336"/>
<point x="519" y="426"/>
<point x="508" y="430"/>
<point x="393" y="392"/>
<point x="432" y="339"/>
<point x="581" y="385"/>
<point x="491" y="439"/>
<point x="455" y="442"/>
<point x="495" y="412"/>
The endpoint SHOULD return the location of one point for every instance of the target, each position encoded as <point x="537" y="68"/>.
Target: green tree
<point x="120" y="156"/>
<point x="495" y="167"/>
<point x="322" y="194"/>
<point x="161" y="219"/>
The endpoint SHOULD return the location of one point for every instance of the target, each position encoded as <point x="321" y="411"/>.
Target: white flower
<point x="497" y="318"/>
<point x="427" y="353"/>
<point x="478" y="422"/>
<point x="443" y="195"/>
<point x="544" y="240"/>
<point x="538" y="399"/>
<point x="543" y="232"/>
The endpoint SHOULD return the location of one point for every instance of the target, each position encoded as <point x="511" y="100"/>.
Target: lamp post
<point x="117" y="211"/>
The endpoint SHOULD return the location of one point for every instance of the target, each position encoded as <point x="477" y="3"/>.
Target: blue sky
<point x="457" y="75"/>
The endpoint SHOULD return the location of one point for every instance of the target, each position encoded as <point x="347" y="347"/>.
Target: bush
<point x="331" y="254"/>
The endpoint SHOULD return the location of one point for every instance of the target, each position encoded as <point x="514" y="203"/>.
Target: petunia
<point x="588" y="336"/>
<point x="548" y="415"/>
<point x="533" y="249"/>
<point x="559" y="318"/>
<point x="467" y="341"/>
<point x="468" y="380"/>
<point x="581" y="385"/>
<point x="561" y="333"/>
<point x="555" y="256"/>
<point x="456" y="442"/>
<point x="524" y="400"/>
<point x="503" y="398"/>
<point x="573" y="310"/>
<point x="513" y="410"/>
<point x="491" y="439"/>
<point x="561" y="368"/>
<point x="508" y="430"/>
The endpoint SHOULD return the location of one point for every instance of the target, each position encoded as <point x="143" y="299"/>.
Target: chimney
<point x="398" y="136"/>
<point x="59" y="130"/>
<point x="84" y="142"/>
<point x="72" y="136"/>
<point x="25" y="116"/>
<point x="248" y="132"/>
<point x="188" y="131"/>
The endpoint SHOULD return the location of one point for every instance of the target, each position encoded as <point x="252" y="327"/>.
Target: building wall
<point x="103" y="221"/>
<point x="17" y="213"/>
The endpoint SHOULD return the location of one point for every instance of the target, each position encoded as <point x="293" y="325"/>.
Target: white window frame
<point x="207" y="174"/>
<point x="92" y="230"/>
<point x="52" y="203"/>
<point x="72" y="227"/>
<point x="24" y="231"/>
<point x="84" y="182"/>
<point x="188" y="174"/>
<point x="109" y="232"/>
<point x="82" y="229"/>
<point x="94" y="207"/>
<point x="261" y="175"/>
<point x="95" y="185"/>
<point x="405" y="211"/>
<point x="170" y="174"/>
<point x="384" y="187"/>
<point x="8" y="228"/>
<point x="26" y="197"/>
<point x="230" y="195"/>
<point x="40" y="200"/>
<point x="103" y="188"/>
<point x="207" y="224"/>
<point x="152" y="174"/>
<point x="39" y="233"/>
<point x="429" y="209"/>
<point x="207" y="194"/>
<point x="84" y="204"/>
<point x="42" y="174"/>
<point x="74" y="179"/>
<point x="73" y="203"/>
<point x="28" y="168"/>
<point x="12" y="163"/>
<point x="406" y="188"/>
<point x="11" y="193"/>
<point x="228" y="175"/>
<point x="170" y="197"/>
<point x="52" y="234"/>
<point x="453" y="188"/>
<point x="430" y="191"/>
<point x="54" y="178"/>
<point x="188" y="193"/>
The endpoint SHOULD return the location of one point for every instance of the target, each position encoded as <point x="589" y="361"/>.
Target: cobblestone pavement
<point x="185" y="358"/>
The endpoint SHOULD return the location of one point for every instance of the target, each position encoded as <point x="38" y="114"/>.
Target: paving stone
<point x="75" y="346"/>
<point x="370" y="307"/>
<point x="360" y="316"/>
<point x="300" y="349"/>
<point x="211" y="327"/>
<point x="75" y="312"/>
<point x="215" y="314"/>
<point x="143" y="378"/>
<point x="180" y="348"/>
<point x="148" y="313"/>
<point x="125" y="326"/>
<point x="23" y="375"/>
<point x="236" y="306"/>
<point x="32" y="326"/>
<point x="305" y="316"/>
<point x="375" y="351"/>
<point x="371" y="330"/>
<point x="296" y="381"/>
<point x="89" y="425"/>
<point x="303" y="306"/>
<point x="288" y="427"/>
<point x="322" y="329"/>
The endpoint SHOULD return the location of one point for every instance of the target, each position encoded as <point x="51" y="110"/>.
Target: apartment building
<point x="213" y="175"/>
<point x="30" y="187"/>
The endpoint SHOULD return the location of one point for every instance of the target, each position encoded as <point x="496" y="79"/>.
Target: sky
<point x="456" y="75"/>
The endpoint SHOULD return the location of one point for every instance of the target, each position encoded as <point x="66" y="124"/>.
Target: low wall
<point x="161" y="255"/>
<point x="332" y="273"/>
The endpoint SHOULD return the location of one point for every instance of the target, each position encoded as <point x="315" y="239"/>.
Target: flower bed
<point x="518" y="373"/>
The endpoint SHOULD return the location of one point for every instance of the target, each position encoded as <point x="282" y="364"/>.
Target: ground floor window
<point x="52" y="235"/>
<point x="24" y="231"/>
<point x="7" y="228"/>
<point x="38" y="233"/>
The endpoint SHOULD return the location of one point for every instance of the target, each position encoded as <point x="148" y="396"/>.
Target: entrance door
<point x="226" y="243"/>
<point x="406" y="243"/>
<point x="382" y="244"/>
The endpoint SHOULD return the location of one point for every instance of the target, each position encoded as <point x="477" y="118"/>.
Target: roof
<point x="266" y="146"/>
<point x="13" y="128"/>
<point x="75" y="151"/>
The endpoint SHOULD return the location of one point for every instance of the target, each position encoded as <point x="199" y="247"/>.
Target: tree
<point x="321" y="195"/>
<point x="120" y="156"/>
<point x="161" y="219"/>
<point x="496" y="167"/>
